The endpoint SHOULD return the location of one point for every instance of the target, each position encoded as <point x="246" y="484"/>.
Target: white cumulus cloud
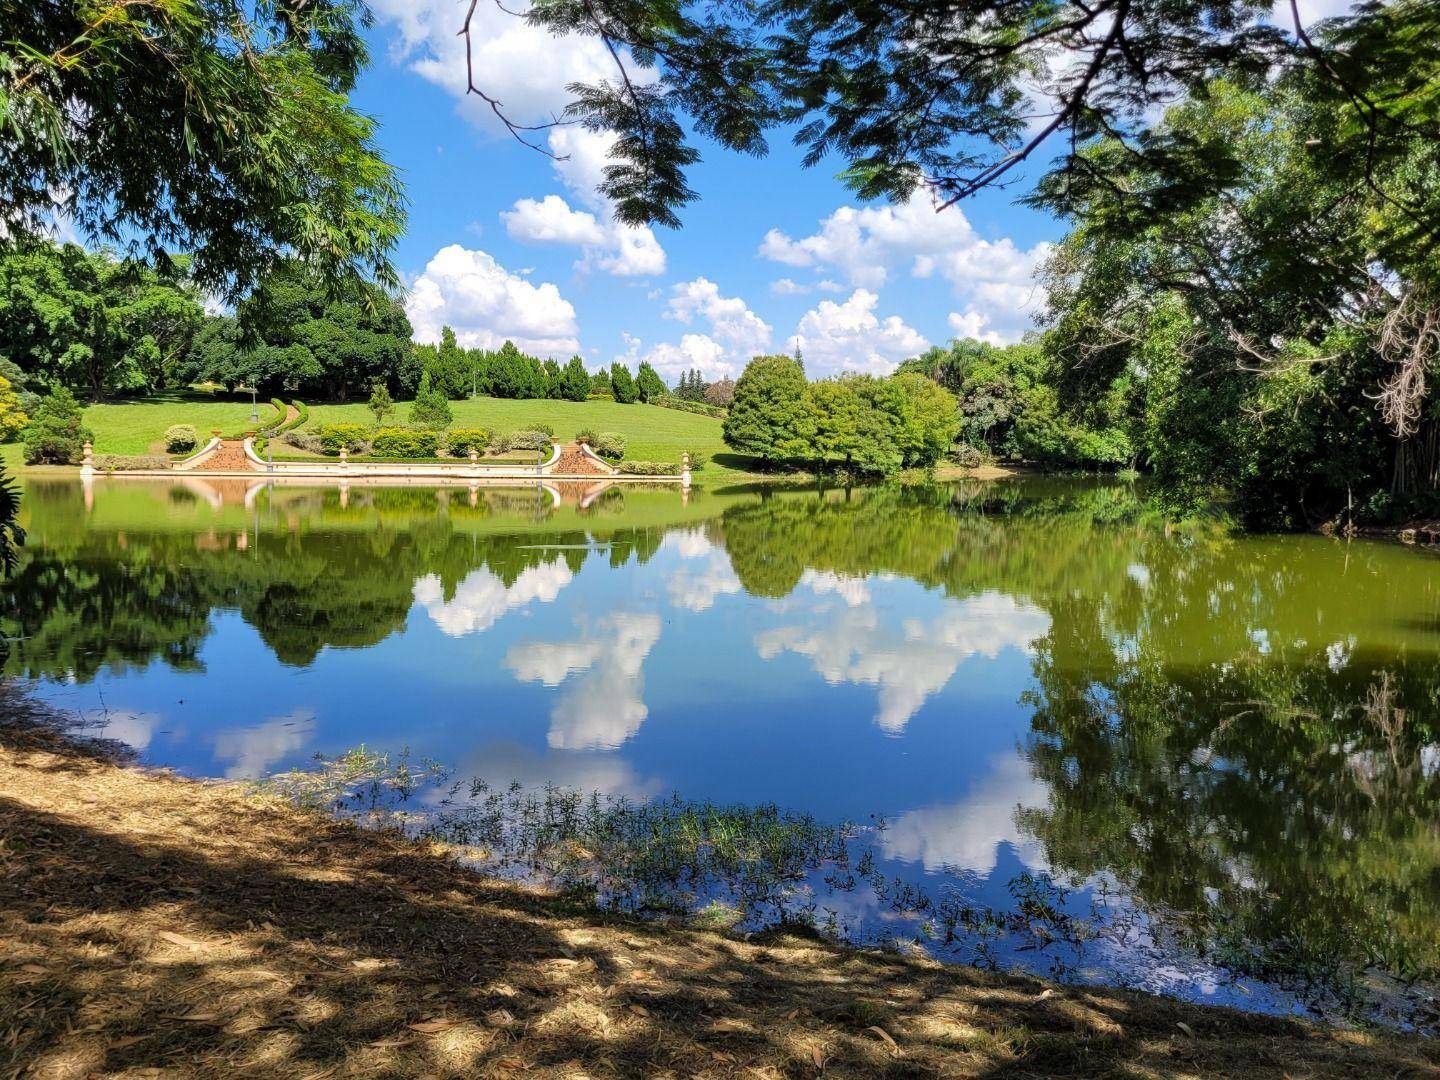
<point x="967" y="835"/>
<point x="486" y="304"/>
<point x="996" y="278"/>
<point x="849" y="336"/>
<point x="728" y="333"/>
<point x="605" y="244"/>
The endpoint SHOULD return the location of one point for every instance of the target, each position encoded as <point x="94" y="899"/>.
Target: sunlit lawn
<point x="651" y="433"/>
<point x="137" y="427"/>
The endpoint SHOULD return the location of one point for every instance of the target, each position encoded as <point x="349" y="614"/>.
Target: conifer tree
<point x="622" y="385"/>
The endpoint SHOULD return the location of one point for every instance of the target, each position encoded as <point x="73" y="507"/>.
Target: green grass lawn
<point x="651" y="433"/>
<point x="136" y="427"/>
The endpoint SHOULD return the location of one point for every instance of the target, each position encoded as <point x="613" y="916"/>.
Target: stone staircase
<point x="229" y="456"/>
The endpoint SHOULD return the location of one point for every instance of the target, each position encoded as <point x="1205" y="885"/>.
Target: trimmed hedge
<point x="460" y="441"/>
<point x="336" y="437"/>
<point x="524" y="440"/>
<point x="130" y="462"/>
<point x="697" y="407"/>
<point x="649" y="468"/>
<point x="393" y="442"/>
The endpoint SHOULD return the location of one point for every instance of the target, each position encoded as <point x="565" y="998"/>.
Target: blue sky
<point x="503" y="242"/>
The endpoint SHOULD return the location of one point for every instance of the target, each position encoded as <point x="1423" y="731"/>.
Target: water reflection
<point x="912" y="665"/>
<point x="602" y="706"/>
<point x="1235" y="741"/>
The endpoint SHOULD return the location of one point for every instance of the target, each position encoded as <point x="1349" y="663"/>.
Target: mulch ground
<point x="151" y="925"/>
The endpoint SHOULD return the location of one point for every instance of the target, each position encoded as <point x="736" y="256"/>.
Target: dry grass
<point x="153" y="923"/>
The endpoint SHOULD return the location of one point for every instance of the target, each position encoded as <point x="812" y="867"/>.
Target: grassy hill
<point x="651" y="433"/>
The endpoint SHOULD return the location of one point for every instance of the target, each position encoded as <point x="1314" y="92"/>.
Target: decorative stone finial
<point x="344" y="455"/>
<point x="474" y="457"/>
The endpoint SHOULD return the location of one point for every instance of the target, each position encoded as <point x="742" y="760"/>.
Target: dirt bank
<point x="149" y="922"/>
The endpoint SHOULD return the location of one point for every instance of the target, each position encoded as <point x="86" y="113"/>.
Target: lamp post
<point x="254" y="407"/>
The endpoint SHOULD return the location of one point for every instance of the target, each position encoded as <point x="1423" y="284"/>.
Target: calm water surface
<point x="1219" y="754"/>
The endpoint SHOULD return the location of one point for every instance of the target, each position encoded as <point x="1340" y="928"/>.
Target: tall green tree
<point x="1263" y="335"/>
<point x="554" y="379"/>
<point x="294" y="334"/>
<point x="648" y="383"/>
<point x="218" y="126"/>
<point x="575" y="381"/>
<point x="622" y="385"/>
<point x="771" y="416"/>
<point x="92" y="322"/>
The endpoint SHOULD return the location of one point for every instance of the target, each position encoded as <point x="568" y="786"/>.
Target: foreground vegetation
<point x="191" y="927"/>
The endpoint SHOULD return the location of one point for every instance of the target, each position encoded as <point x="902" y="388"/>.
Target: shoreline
<point x="154" y="921"/>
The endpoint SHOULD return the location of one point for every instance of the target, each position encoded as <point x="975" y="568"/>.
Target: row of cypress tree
<point x="507" y="372"/>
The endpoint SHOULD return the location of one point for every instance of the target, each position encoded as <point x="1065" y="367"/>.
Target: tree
<point x="513" y="374"/>
<point x="720" y="393"/>
<point x="600" y="383"/>
<point x="1262" y="333"/>
<point x="575" y="381"/>
<point x="449" y="366"/>
<point x="93" y="322"/>
<point x="648" y="383"/>
<point x="381" y="404"/>
<point x="622" y="385"/>
<point x="930" y="421"/>
<point x="430" y="409"/>
<point x="12" y="416"/>
<point x="554" y="380"/>
<point x="771" y="414"/>
<point x="57" y="432"/>
<point x="907" y="99"/>
<point x="293" y="333"/>
<point x="224" y="127"/>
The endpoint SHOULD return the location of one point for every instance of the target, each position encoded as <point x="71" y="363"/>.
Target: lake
<point x="1069" y="738"/>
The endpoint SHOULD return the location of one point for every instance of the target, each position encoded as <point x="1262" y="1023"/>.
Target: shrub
<point x="540" y="425"/>
<point x="304" y="440"/>
<point x="524" y="440"/>
<point x="698" y="460"/>
<point x="336" y="437"/>
<point x="609" y="445"/>
<point x="57" y="432"/>
<point x="13" y="418"/>
<point x="393" y="442"/>
<point x="699" y="408"/>
<point x="460" y="441"/>
<point x="130" y="463"/>
<point x="180" y="438"/>
<point x="430" y="409"/>
<point x="649" y="468"/>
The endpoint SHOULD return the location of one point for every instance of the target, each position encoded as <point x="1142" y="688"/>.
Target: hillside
<point x="651" y="433"/>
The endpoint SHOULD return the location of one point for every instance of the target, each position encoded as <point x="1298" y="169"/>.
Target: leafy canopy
<point x="951" y="96"/>
<point x="217" y="126"/>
